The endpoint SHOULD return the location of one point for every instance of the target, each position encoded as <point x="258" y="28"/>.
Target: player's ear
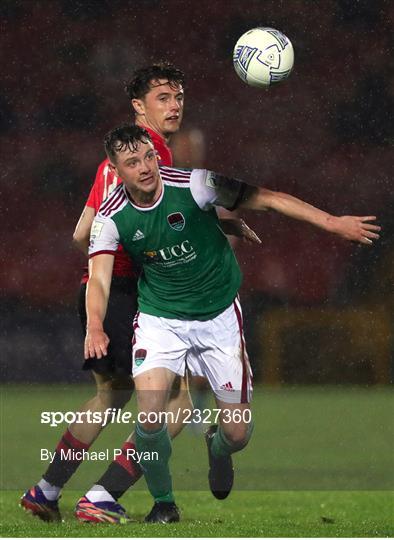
<point x="138" y="106"/>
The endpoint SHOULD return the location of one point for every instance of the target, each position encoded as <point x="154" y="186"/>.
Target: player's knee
<point x="122" y="388"/>
<point x="151" y="420"/>
<point x="120" y="398"/>
<point x="237" y="438"/>
<point x="239" y="435"/>
<point x="115" y="392"/>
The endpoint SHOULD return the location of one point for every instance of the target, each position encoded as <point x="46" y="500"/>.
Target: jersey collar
<point x="156" y="137"/>
<point x="146" y="208"/>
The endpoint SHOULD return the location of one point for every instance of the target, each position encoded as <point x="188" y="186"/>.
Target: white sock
<point x="51" y="492"/>
<point x="99" y="494"/>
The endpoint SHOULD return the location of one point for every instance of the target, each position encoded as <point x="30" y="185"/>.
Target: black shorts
<point x="118" y="325"/>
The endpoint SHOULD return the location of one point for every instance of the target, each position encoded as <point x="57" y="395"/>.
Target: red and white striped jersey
<point x="105" y="182"/>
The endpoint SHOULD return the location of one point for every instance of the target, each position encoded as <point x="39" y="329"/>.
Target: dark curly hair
<point x="140" y="84"/>
<point x="123" y="137"/>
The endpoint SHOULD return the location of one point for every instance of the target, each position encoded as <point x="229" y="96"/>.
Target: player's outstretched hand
<point x="247" y="234"/>
<point x="96" y="343"/>
<point x="357" y="229"/>
<point x="237" y="227"/>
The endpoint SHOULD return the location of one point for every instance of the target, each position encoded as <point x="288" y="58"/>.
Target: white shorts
<point x="214" y="349"/>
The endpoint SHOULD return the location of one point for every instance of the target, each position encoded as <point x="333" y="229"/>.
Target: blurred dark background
<point x="317" y="309"/>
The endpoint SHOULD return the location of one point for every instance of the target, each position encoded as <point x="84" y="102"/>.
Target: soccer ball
<point x="263" y="56"/>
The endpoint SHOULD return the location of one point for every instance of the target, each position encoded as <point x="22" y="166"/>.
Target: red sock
<point x="68" y="457"/>
<point x="123" y="472"/>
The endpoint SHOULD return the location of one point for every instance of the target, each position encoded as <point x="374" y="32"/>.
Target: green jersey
<point x="189" y="270"/>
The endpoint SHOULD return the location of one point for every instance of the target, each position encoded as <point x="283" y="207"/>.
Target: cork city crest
<point x="176" y="221"/>
<point x="139" y="356"/>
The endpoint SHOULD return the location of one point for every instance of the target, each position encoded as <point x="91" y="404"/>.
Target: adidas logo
<point x="139" y="235"/>
<point x="228" y="386"/>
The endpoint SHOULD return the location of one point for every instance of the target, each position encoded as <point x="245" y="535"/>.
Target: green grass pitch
<point x="320" y="464"/>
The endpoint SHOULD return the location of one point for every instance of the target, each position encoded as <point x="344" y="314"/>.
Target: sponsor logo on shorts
<point x="227" y="386"/>
<point x="176" y="221"/>
<point x="139" y="356"/>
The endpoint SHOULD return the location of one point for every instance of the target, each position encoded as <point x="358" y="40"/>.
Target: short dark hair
<point x="140" y="84"/>
<point x="123" y="137"/>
